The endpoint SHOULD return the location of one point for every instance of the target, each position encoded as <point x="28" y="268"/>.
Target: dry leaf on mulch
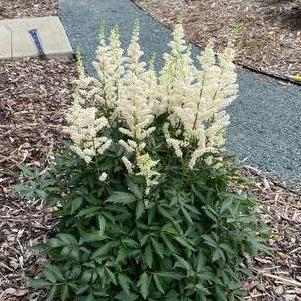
<point x="269" y="30"/>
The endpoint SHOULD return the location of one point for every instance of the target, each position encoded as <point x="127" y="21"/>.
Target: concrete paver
<point x="16" y="42"/>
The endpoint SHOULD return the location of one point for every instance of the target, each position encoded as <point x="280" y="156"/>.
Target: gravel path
<point x="266" y="119"/>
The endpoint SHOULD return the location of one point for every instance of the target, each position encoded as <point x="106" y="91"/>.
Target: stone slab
<point x="16" y="42"/>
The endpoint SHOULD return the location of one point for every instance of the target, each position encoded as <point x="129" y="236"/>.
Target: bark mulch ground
<point x="277" y="275"/>
<point x="269" y="30"/>
<point x="34" y="95"/>
<point x="27" y="8"/>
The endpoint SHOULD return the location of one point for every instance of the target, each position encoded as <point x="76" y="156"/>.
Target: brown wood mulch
<point x="269" y="31"/>
<point x="27" y="8"/>
<point x="34" y="95"/>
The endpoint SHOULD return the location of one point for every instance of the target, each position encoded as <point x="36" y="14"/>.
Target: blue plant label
<point x="37" y="41"/>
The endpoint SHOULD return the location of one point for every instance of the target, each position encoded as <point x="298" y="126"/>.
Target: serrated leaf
<point x="158" y="284"/>
<point x="140" y="209"/>
<point x="186" y="215"/>
<point x="148" y="256"/>
<point x="182" y="263"/>
<point x="126" y="297"/>
<point x="64" y="292"/>
<point x="157" y="247"/>
<point x="38" y="283"/>
<point x="144" y="283"/>
<point x="55" y="243"/>
<point x="165" y="213"/>
<point x="168" y="243"/>
<point x="124" y="282"/>
<point x="54" y="273"/>
<point x="135" y="189"/>
<point x="122" y="254"/>
<point x="67" y="238"/>
<point x="76" y="204"/>
<point x="52" y="293"/>
<point x="200" y="261"/>
<point x="171" y="275"/>
<point x="86" y="276"/>
<point x="111" y="275"/>
<point x="183" y="242"/>
<point x="82" y="289"/>
<point x="103" y="250"/>
<point x="120" y="197"/>
<point x="101" y="224"/>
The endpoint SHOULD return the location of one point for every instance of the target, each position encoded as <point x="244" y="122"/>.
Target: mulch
<point x="277" y="275"/>
<point x="269" y="31"/>
<point x="27" y="8"/>
<point x="34" y="94"/>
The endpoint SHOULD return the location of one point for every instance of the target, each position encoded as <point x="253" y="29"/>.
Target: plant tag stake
<point x="37" y="41"/>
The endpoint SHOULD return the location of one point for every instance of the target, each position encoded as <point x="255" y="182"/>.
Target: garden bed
<point x="34" y="95"/>
<point x="269" y="31"/>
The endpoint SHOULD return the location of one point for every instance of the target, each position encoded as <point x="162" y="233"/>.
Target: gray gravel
<point x="266" y="124"/>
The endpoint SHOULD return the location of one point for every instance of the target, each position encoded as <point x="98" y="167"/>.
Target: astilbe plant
<point x="142" y="194"/>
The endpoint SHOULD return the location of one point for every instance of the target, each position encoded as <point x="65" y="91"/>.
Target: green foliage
<point x="186" y="240"/>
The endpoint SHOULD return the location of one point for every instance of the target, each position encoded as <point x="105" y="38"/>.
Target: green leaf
<point x="182" y="263"/>
<point x="122" y="254"/>
<point x="82" y="289"/>
<point x="55" y="243"/>
<point x="171" y="275"/>
<point x="140" y="209"/>
<point x="210" y="241"/>
<point x="186" y="215"/>
<point x="52" y="293"/>
<point x="158" y="284"/>
<point x="135" y="190"/>
<point x="181" y="240"/>
<point x="67" y="238"/>
<point x="102" y="250"/>
<point x="126" y="297"/>
<point x="53" y="273"/>
<point x="165" y="213"/>
<point x="144" y="283"/>
<point x="101" y="224"/>
<point x="38" y="283"/>
<point x="124" y="282"/>
<point x="111" y="275"/>
<point x="76" y="204"/>
<point x="168" y="243"/>
<point x="157" y="247"/>
<point x="86" y="276"/>
<point x="120" y="197"/>
<point x="148" y="256"/>
<point x="64" y="292"/>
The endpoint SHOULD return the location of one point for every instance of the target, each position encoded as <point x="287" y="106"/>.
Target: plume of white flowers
<point x="190" y="102"/>
<point x="84" y="127"/>
<point x="146" y="165"/>
<point x="109" y="67"/>
<point x="178" y="72"/>
<point x="135" y="107"/>
<point x="208" y="93"/>
<point x="134" y="104"/>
